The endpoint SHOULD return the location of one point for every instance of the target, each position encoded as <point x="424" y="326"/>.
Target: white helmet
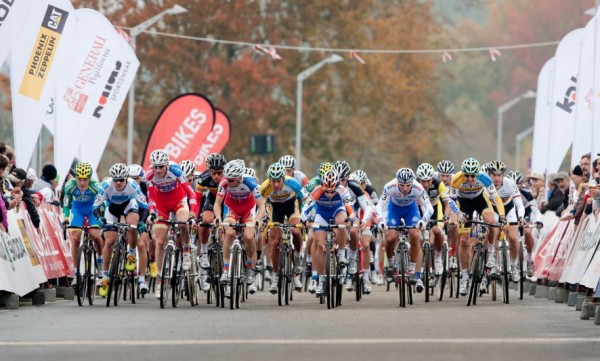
<point x="250" y="172"/>
<point x="119" y="170"/>
<point x="405" y="175"/>
<point x="359" y="175"/>
<point x="188" y="167"/>
<point x="136" y="170"/>
<point x="425" y="171"/>
<point x="159" y="157"/>
<point x="288" y="161"/>
<point x="234" y="168"/>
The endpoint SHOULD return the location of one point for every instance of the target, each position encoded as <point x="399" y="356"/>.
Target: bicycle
<point x="285" y="286"/>
<point x="215" y="270"/>
<point x="119" y="277"/>
<point x="447" y="271"/>
<point x="401" y="259"/>
<point x="171" y="269"/>
<point x="87" y="266"/>
<point x="237" y="262"/>
<point x="478" y="259"/>
<point x="428" y="257"/>
<point x="333" y="270"/>
<point x="521" y="257"/>
<point x="504" y="263"/>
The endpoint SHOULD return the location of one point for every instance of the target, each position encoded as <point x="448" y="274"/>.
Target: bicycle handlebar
<point x="328" y="226"/>
<point x="496" y="225"/>
<point x="283" y="225"/>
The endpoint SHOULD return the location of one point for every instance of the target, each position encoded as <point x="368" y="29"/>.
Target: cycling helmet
<point x="136" y="170"/>
<point x="470" y="166"/>
<point x="276" y="171"/>
<point x="359" y="175"/>
<point x="119" y="170"/>
<point x="324" y="167"/>
<point x="516" y="176"/>
<point x="83" y="170"/>
<point x="288" y="161"/>
<point x="405" y="175"/>
<point x="188" y="167"/>
<point x="234" y="168"/>
<point x="250" y="172"/>
<point x="445" y="167"/>
<point x="485" y="167"/>
<point x="330" y="180"/>
<point x="425" y="171"/>
<point x="159" y="157"/>
<point x="342" y="168"/>
<point x="215" y="161"/>
<point x="496" y="167"/>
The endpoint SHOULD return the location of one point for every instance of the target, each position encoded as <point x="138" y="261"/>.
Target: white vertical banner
<point x="12" y="13"/>
<point x="90" y="87"/>
<point x="543" y="113"/>
<point x="121" y="72"/>
<point x="596" y="91"/>
<point x="562" y="125"/>
<point x="38" y="50"/>
<point x="582" y="137"/>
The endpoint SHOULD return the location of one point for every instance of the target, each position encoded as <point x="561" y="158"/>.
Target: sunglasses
<point x="83" y="179"/>
<point x="212" y="172"/>
<point x="158" y="166"/>
<point x="330" y="192"/>
<point x="230" y="180"/>
<point x="470" y="175"/>
<point x="118" y="180"/>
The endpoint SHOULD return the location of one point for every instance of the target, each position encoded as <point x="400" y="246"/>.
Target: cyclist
<point x="124" y="198"/>
<point x="136" y="172"/>
<point x="445" y="170"/>
<point x="284" y="193"/>
<point x="401" y="199"/>
<point x="327" y="200"/>
<point x="473" y="191"/>
<point x="532" y="215"/>
<point x="358" y="200"/>
<point x="79" y="195"/>
<point x="169" y="192"/>
<point x="515" y="212"/>
<point x="241" y="195"/>
<point x="290" y="169"/>
<point x="189" y="169"/>
<point x="440" y="199"/>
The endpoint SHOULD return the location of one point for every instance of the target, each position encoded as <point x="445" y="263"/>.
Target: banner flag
<point x="43" y="42"/>
<point x="596" y="91"/>
<point x="582" y="139"/>
<point x="541" y="125"/>
<point x="182" y="126"/>
<point x="12" y="13"/>
<point x="216" y="141"/>
<point x="88" y="86"/>
<point x="109" y="94"/>
<point x="562" y="125"/>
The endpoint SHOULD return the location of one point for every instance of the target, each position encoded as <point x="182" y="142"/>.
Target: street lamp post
<point x="134" y="32"/>
<point x="300" y="78"/>
<point x="518" y="139"/>
<point x="503" y="108"/>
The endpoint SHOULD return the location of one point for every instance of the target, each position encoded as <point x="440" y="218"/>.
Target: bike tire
<point x="402" y="275"/>
<point x="91" y="276"/>
<point x="233" y="281"/>
<point x="176" y="278"/>
<point x="114" y="265"/>
<point x="287" y="276"/>
<point x="427" y="267"/>
<point x="505" y="280"/>
<point x="521" y="272"/>
<point x="220" y="287"/>
<point x="281" y="277"/>
<point x="327" y="284"/>
<point x="165" y="284"/>
<point x="81" y="274"/>
<point x="444" y="275"/>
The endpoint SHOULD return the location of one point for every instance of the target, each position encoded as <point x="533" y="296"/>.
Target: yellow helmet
<point x="83" y="170"/>
<point x="324" y="167"/>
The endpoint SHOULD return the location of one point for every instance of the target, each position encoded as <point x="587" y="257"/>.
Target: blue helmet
<point x="405" y="175"/>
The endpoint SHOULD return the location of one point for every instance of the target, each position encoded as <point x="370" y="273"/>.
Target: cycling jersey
<point x="326" y="209"/>
<point x="291" y="189"/>
<point x="300" y="177"/>
<point x="205" y="182"/>
<point x="460" y="189"/>
<point x="358" y="199"/>
<point x="532" y="211"/>
<point x="168" y="193"/>
<point x="392" y="198"/>
<point x="240" y="199"/>
<point x="370" y="190"/>
<point x="79" y="204"/>
<point x="511" y="197"/>
<point x="121" y="202"/>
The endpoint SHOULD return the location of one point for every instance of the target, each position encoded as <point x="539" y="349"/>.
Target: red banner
<point x="181" y="128"/>
<point x="216" y="140"/>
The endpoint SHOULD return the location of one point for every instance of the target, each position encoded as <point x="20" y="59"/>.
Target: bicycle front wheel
<point x="521" y="269"/>
<point x="427" y="267"/>
<point x="167" y="270"/>
<point x="91" y="276"/>
<point x="505" y="279"/>
<point x="81" y="275"/>
<point x="176" y="280"/>
<point x="444" y="275"/>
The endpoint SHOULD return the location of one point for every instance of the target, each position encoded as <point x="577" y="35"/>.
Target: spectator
<point x="585" y="163"/>
<point x="562" y="179"/>
<point x="44" y="184"/>
<point x="556" y="197"/>
<point x="12" y="197"/>
<point x="577" y="194"/>
<point x="596" y="170"/>
<point x="3" y="207"/>
<point x="18" y="179"/>
<point x="536" y="181"/>
<point x="31" y="178"/>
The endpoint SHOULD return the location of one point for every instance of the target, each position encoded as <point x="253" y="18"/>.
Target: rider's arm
<point x="295" y="186"/>
<point x="425" y="204"/>
<point x="68" y="199"/>
<point x="382" y="205"/>
<point x="491" y="189"/>
<point x="309" y="205"/>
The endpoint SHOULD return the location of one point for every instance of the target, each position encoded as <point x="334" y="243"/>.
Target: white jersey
<point x="417" y="194"/>
<point x="509" y="192"/>
<point x="110" y="194"/>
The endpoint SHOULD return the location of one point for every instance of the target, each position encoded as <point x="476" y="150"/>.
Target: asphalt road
<point x="531" y="329"/>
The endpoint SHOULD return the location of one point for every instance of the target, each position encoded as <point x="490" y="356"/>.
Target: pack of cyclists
<point x="438" y="199"/>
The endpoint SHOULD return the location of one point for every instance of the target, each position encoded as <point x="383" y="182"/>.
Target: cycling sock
<point x="528" y="257"/>
<point x="258" y="254"/>
<point x="308" y="259"/>
<point x="352" y="254"/>
<point x="141" y="279"/>
<point x="105" y="273"/>
<point x="203" y="248"/>
<point x="225" y="266"/>
<point x="366" y="277"/>
<point x="249" y="263"/>
<point x="315" y="274"/>
<point x="418" y="275"/>
<point x="186" y="249"/>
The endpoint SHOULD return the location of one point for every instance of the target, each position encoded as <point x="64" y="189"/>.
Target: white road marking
<point x="412" y="341"/>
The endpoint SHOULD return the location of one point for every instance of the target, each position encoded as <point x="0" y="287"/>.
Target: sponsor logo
<point x="570" y="97"/>
<point x="108" y="90"/>
<point x="75" y="100"/>
<point x="5" y="6"/>
<point x="186" y="132"/>
<point x="209" y="143"/>
<point x="42" y="55"/>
